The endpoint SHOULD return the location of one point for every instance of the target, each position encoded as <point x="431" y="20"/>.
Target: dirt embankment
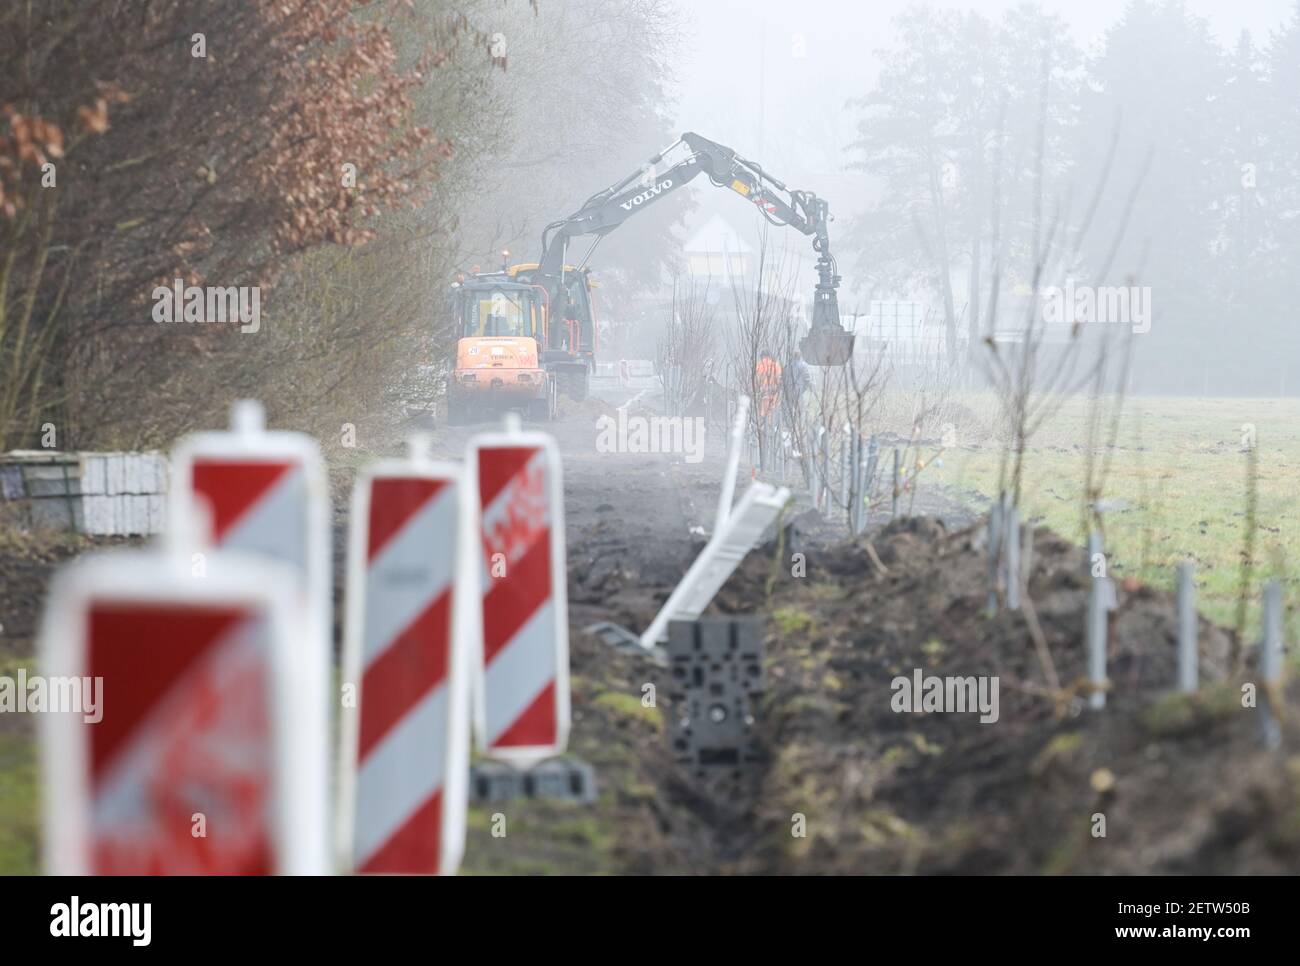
<point x="1182" y="784"/>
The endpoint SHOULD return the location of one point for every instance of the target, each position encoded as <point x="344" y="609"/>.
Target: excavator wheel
<point x="827" y="346"/>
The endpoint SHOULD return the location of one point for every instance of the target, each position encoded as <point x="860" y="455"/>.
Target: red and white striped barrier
<point x="406" y="736"/>
<point x="265" y="494"/>
<point x="196" y="765"/>
<point x="521" y="682"/>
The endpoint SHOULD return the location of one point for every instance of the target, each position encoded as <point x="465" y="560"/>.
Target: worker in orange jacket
<point x="767" y="376"/>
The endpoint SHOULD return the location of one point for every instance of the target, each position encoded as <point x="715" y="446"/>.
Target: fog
<point x="751" y="70"/>
<point x="1170" y="138"/>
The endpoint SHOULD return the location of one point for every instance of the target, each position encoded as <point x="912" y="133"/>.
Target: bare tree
<point x="764" y="334"/>
<point x="686" y="350"/>
<point x="1030" y="385"/>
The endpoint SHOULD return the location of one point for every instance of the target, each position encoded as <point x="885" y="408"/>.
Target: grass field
<point x="18" y="807"/>
<point x="1179" y="472"/>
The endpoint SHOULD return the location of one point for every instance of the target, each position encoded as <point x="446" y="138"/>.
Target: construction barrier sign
<point x="406" y="731"/>
<point x="265" y="494"/>
<point x="185" y="754"/>
<point x="522" y="677"/>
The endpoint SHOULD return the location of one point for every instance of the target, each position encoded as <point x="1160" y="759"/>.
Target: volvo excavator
<point x="566" y="347"/>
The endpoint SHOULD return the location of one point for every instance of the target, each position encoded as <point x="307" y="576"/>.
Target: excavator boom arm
<point x="827" y="343"/>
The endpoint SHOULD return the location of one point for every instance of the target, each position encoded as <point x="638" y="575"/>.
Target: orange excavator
<point x="561" y="302"/>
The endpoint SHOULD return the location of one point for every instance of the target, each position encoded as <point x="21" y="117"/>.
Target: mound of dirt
<point x="1177" y="784"/>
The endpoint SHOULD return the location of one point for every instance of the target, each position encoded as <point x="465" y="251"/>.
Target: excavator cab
<point x="497" y="311"/>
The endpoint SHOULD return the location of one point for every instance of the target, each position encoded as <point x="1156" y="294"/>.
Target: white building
<point x="717" y="254"/>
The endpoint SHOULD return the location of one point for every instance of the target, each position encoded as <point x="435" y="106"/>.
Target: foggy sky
<point x="803" y="126"/>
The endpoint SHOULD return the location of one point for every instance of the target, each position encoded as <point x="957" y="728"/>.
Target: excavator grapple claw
<point x="827" y="346"/>
<point x="828" y="343"/>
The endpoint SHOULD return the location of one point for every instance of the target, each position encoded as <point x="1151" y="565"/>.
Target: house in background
<point x="723" y="260"/>
<point x="717" y="254"/>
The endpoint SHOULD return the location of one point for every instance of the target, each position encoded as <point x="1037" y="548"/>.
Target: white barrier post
<point x="1100" y="603"/>
<point x="1270" y="664"/>
<point x="824" y="438"/>
<point x="893" y="505"/>
<point x="855" y="482"/>
<point x="1012" y="558"/>
<point x="846" y="468"/>
<point x="1188" y="663"/>
<point x="869" y="481"/>
<point x="993" y="537"/>
<point x="1027" y="553"/>
<point x="733" y="463"/>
